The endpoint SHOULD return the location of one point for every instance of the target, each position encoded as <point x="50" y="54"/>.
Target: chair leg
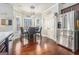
<point x="28" y="38"/>
<point x="40" y="38"/>
<point x="35" y="38"/>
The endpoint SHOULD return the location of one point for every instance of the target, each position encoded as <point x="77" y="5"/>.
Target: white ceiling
<point x="39" y="7"/>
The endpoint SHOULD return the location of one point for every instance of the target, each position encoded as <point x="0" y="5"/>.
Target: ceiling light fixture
<point x="32" y="7"/>
<point x="32" y="10"/>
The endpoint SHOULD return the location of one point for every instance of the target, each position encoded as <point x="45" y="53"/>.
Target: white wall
<point x="17" y="15"/>
<point x="21" y="16"/>
<point x="49" y="22"/>
<point x="36" y="18"/>
<point x="6" y="12"/>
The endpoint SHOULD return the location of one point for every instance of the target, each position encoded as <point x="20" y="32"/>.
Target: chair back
<point x="31" y="30"/>
<point x="22" y="31"/>
<point x="36" y="29"/>
<point x="40" y="29"/>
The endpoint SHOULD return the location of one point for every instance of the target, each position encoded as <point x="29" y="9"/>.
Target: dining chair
<point x="32" y="33"/>
<point x="22" y="31"/>
<point x="39" y="32"/>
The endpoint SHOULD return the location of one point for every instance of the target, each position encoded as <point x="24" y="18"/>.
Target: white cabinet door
<point x="61" y="37"/>
<point x="71" y="43"/>
<point x="71" y="20"/>
<point x="65" y="41"/>
<point x="70" y="33"/>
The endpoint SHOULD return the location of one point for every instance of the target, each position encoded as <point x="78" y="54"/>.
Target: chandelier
<point x="32" y="7"/>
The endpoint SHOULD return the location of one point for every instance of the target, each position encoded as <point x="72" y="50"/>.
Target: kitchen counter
<point x="4" y="35"/>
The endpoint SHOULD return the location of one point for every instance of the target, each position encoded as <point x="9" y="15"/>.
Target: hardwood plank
<point x="47" y="47"/>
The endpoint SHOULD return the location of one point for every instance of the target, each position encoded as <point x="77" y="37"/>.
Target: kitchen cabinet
<point x="68" y="33"/>
<point x="71" y="40"/>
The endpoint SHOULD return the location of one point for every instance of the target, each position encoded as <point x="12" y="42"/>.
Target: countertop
<point x="4" y="35"/>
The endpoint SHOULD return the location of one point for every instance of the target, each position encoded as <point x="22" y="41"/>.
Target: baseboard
<point x="66" y="48"/>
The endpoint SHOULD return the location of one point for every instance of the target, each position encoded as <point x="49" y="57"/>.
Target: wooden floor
<point x="77" y="52"/>
<point x="46" y="47"/>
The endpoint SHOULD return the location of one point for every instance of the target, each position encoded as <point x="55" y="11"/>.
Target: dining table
<point x="31" y="32"/>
